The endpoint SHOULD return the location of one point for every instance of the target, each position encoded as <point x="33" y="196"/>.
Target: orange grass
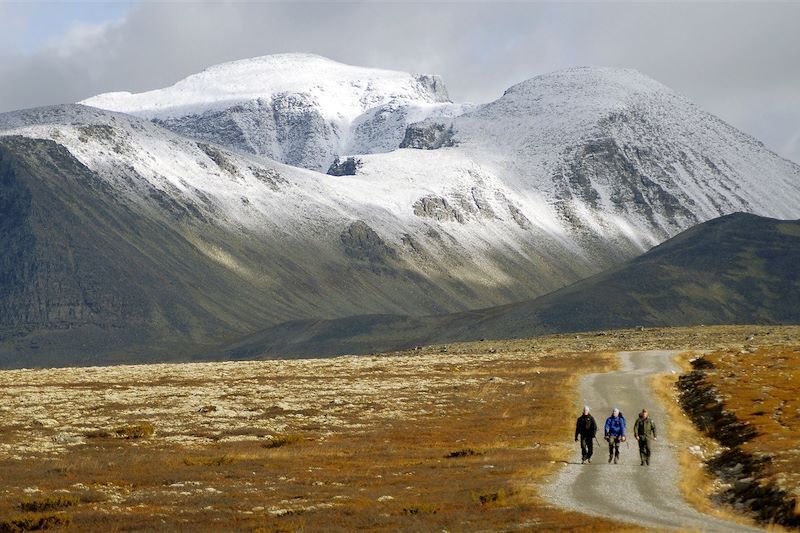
<point x="387" y="474"/>
<point x="696" y="483"/>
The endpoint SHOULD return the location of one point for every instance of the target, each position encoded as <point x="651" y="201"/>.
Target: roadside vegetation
<point x="745" y="401"/>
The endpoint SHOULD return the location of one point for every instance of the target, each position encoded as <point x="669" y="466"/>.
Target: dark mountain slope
<point x="93" y="277"/>
<point x="737" y="269"/>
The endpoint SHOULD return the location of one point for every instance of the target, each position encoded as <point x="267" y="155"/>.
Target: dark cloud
<point x="736" y="60"/>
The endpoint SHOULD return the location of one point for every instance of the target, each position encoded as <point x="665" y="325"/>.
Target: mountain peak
<point x="600" y="87"/>
<point x="345" y="91"/>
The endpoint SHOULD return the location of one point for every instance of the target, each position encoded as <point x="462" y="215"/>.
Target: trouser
<point x="587" y="447"/>
<point x="613" y="447"/>
<point x="644" y="448"/>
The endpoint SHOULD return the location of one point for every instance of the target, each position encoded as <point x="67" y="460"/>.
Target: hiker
<point x="614" y="434"/>
<point x="643" y="429"/>
<point x="586" y="428"/>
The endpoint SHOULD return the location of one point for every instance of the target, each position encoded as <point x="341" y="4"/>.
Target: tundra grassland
<point x="443" y="437"/>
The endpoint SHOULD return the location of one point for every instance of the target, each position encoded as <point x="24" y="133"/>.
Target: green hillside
<point x="736" y="269"/>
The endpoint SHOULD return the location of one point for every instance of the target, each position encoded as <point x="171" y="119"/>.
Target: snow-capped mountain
<point x="299" y="109"/>
<point x="208" y="234"/>
<point x="611" y="146"/>
<point x="599" y="151"/>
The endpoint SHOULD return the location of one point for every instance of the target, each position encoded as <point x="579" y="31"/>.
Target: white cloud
<point x="736" y="60"/>
<point x="81" y="37"/>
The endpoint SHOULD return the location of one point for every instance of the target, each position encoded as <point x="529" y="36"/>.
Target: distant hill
<point x="736" y="269"/>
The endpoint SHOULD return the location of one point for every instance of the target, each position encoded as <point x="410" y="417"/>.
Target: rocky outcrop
<point x="481" y="203"/>
<point x="220" y="159"/>
<point x="269" y="177"/>
<point x="519" y="217"/>
<point x="603" y="165"/>
<point x="428" y="136"/>
<point x="287" y="128"/>
<point x="348" y="167"/>
<point x="458" y="207"/>
<point x="437" y="208"/>
<point x="363" y="243"/>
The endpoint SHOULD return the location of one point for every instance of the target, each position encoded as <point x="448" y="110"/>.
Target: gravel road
<point x="648" y="496"/>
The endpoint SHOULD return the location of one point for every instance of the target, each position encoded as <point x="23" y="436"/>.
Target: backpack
<point x="617" y="427"/>
<point x="640" y="423"/>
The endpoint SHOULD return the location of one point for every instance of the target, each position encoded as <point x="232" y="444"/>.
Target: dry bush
<point x="497" y="497"/>
<point x="197" y="460"/>
<point x="421" y="509"/>
<point x="465" y="452"/>
<point x="34" y="522"/>
<point x="98" y="434"/>
<point x="93" y="496"/>
<point x="278" y="441"/>
<point x="139" y="430"/>
<point x="49" y="503"/>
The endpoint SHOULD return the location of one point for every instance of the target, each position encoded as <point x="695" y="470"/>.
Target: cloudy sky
<point x="740" y="61"/>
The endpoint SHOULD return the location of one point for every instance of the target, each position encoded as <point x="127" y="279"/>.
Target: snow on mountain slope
<point x="300" y="109"/>
<point x="613" y="142"/>
<point x="314" y="245"/>
<point x="609" y="152"/>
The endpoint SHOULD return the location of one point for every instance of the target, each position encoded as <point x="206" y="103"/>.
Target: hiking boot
<point x="642" y="463"/>
<point x="647" y="461"/>
<point x="616" y="459"/>
<point x="589" y="460"/>
<point x="583" y="461"/>
<point x="609" y="459"/>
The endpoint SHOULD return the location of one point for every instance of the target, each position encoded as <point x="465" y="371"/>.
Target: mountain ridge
<point x="299" y="109"/>
<point x="736" y="269"/>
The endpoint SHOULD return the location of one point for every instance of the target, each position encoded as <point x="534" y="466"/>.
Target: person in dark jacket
<point x="614" y="434"/>
<point x="586" y="429"/>
<point x="643" y="430"/>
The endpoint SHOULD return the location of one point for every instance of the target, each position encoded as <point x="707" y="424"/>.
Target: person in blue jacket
<point x="614" y="434"/>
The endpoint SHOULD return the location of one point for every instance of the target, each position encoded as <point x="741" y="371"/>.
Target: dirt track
<point x="627" y="491"/>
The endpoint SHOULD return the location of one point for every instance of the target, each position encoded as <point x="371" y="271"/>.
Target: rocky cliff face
<point x="42" y="282"/>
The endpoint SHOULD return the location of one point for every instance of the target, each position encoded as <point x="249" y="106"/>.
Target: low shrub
<point x="33" y="522"/>
<point x="196" y="460"/>
<point x="49" y="503"/>
<point x="278" y="441"/>
<point x="491" y="498"/>
<point x="135" y="431"/>
<point x="466" y="452"/>
<point x="93" y="496"/>
<point x="420" y="509"/>
<point x="98" y="434"/>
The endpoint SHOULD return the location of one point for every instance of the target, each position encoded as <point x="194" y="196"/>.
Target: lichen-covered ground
<point x="416" y="441"/>
<point x="451" y="438"/>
